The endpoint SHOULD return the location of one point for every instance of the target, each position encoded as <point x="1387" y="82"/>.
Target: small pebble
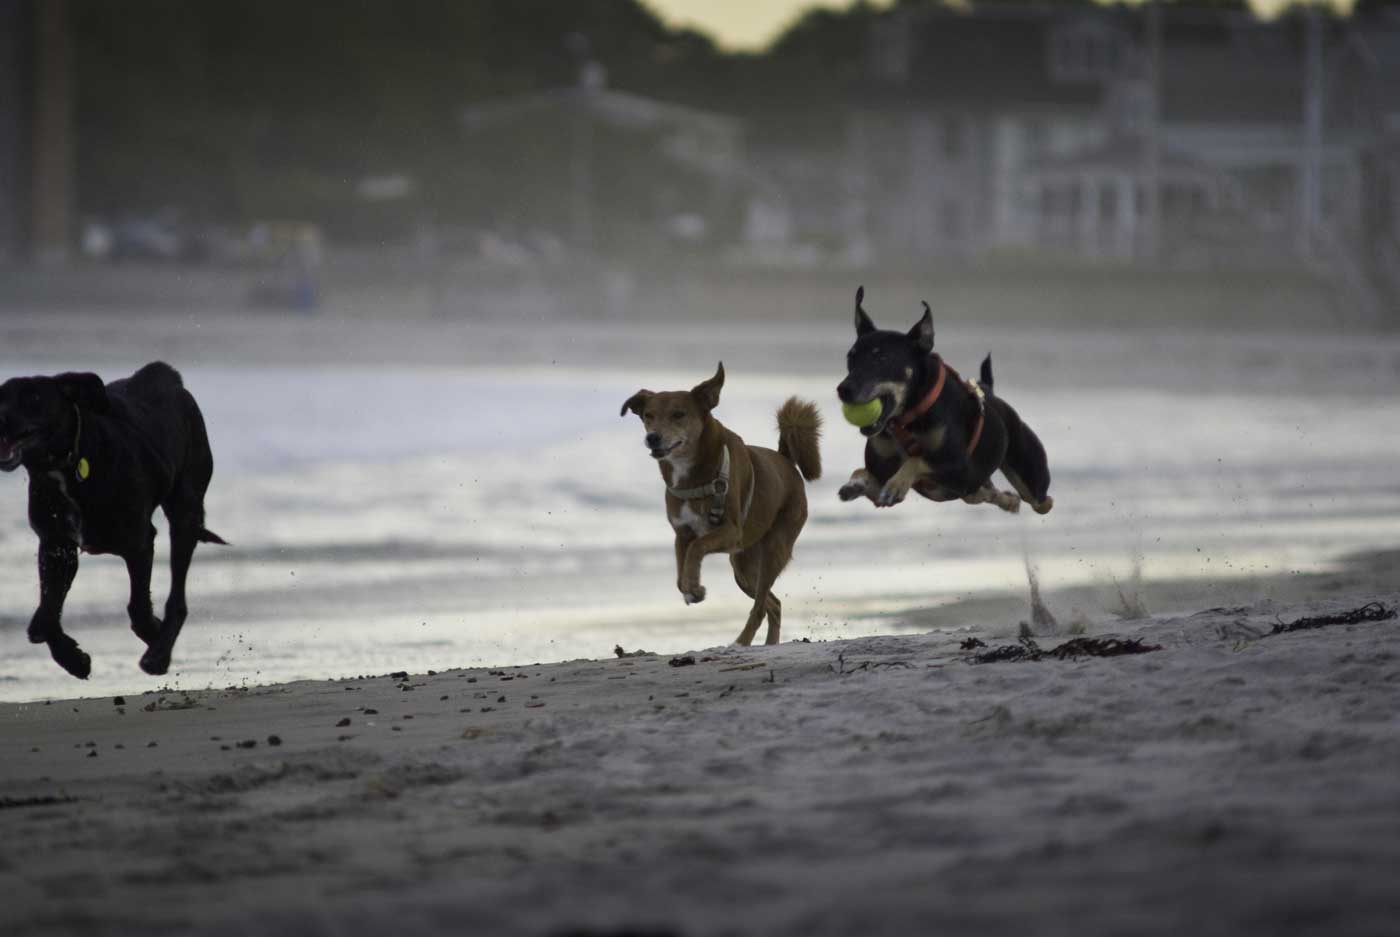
<point x="248" y="743"/>
<point x="274" y="740"/>
<point x="119" y="701"/>
<point x="93" y="753"/>
<point x="371" y="712"/>
<point x="343" y="723"/>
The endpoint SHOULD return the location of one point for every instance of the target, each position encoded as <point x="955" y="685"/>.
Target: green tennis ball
<point x="862" y="414"/>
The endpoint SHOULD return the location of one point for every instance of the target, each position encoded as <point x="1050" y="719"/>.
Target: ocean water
<point x="406" y="516"/>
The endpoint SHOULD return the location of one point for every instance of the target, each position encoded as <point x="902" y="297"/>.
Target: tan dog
<point x="723" y="496"/>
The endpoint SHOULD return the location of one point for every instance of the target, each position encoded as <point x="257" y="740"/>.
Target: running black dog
<point x="100" y="461"/>
<point x="932" y="431"/>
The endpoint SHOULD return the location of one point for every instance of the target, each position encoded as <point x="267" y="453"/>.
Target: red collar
<point x="909" y="416"/>
<point x="899" y="428"/>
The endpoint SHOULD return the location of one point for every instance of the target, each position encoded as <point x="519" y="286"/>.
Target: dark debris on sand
<point x="1371" y="611"/>
<point x="1074" y="649"/>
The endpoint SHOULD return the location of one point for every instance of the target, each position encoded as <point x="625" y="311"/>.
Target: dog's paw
<point x="147" y="632"/>
<point x="851" y="491"/>
<point x="70" y="657"/>
<point x="694" y="594"/>
<point x="155" y="662"/>
<point x="1044" y="506"/>
<point x="1008" y="502"/>
<point x="895" y="491"/>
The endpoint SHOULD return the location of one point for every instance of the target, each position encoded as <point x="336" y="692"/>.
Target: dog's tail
<point x="208" y="536"/>
<point x="799" y="436"/>
<point x="985" y="378"/>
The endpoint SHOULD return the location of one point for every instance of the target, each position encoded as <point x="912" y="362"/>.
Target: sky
<point x="741" y="24"/>
<point x="750" y="25"/>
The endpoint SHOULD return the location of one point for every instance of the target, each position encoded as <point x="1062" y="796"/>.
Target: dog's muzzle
<point x="657" y="449"/>
<point x="12" y="453"/>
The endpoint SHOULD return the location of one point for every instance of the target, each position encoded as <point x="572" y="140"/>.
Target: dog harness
<point x="718" y="490"/>
<point x="899" y="428"/>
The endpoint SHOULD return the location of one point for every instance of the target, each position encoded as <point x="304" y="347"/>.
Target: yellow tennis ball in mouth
<point x="862" y="414"/>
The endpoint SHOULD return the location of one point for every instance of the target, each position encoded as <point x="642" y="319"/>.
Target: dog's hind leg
<point x="183" y="538"/>
<point x="138" y="569"/>
<point x="1041" y="505"/>
<point x="989" y="494"/>
<point x="748" y="573"/>
<point x="58" y="564"/>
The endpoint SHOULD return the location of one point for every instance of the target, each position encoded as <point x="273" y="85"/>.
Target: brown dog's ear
<point x="635" y="403"/>
<point x="922" y="332"/>
<point x="706" y="393"/>
<point x="864" y="324"/>
<point x="84" y="389"/>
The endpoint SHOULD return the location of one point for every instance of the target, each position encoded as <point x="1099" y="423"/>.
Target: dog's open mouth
<point x="886" y="414"/>
<point x="663" y="451"/>
<point x="12" y="452"/>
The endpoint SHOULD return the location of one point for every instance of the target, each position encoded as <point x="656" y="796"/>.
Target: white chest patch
<point x="691" y="520"/>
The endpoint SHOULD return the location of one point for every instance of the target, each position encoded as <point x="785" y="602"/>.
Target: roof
<point x="617" y="108"/>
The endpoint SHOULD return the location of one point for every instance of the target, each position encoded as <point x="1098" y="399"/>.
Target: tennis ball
<point x="862" y="414"/>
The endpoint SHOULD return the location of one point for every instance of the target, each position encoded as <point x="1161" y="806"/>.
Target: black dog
<point x="100" y="460"/>
<point x="935" y="433"/>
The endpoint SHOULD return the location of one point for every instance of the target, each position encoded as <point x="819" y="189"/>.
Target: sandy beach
<point x="1230" y="783"/>
<point x="356" y="736"/>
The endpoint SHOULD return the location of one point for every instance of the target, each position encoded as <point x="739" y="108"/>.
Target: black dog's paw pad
<point x="155" y="664"/>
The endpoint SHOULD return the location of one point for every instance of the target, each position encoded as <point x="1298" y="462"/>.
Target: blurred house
<point x="596" y="170"/>
<point x="1186" y="136"/>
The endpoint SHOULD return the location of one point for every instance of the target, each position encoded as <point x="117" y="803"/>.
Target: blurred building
<point x="593" y="170"/>
<point x="1185" y="136"/>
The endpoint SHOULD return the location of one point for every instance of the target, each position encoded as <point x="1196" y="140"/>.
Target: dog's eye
<point x="678" y="415"/>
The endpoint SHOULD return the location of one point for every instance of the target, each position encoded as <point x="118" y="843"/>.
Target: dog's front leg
<point x="722" y="539"/>
<point x="58" y="564"/>
<point x="862" y="485"/>
<point x="897" y="488"/>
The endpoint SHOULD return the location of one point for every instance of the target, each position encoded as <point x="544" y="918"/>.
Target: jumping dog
<point x="724" y="496"/>
<point x="100" y="460"/>
<point x="936" y="434"/>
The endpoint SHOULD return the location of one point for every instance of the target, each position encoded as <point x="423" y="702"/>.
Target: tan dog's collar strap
<point x="717" y="489"/>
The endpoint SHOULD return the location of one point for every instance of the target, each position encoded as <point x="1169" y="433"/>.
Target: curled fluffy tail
<point x="799" y="436"/>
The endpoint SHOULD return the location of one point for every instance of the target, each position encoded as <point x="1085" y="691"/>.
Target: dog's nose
<point x="843" y="392"/>
<point x="653" y="440"/>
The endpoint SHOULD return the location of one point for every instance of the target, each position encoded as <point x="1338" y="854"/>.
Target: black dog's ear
<point x="864" y="324"/>
<point x="84" y="389"/>
<point x="706" y="393"/>
<point x="635" y="403"/>
<point x="922" y="332"/>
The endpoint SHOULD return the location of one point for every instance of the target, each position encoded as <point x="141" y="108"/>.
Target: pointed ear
<point x="864" y="324"/>
<point x="635" y="403"/>
<point x="706" y="394"/>
<point x="84" y="389"/>
<point x="922" y="332"/>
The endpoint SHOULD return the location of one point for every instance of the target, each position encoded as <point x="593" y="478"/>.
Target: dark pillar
<point x="53" y="133"/>
<point x="16" y="93"/>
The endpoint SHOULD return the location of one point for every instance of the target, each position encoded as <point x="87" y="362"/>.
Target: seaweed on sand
<point x="1027" y="649"/>
<point x="1371" y="611"/>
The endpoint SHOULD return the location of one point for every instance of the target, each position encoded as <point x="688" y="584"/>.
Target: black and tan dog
<point x="100" y="460"/>
<point x="724" y="496"/>
<point x="935" y="433"/>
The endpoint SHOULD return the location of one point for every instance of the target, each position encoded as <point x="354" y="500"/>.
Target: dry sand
<point x="1230" y="783"/>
